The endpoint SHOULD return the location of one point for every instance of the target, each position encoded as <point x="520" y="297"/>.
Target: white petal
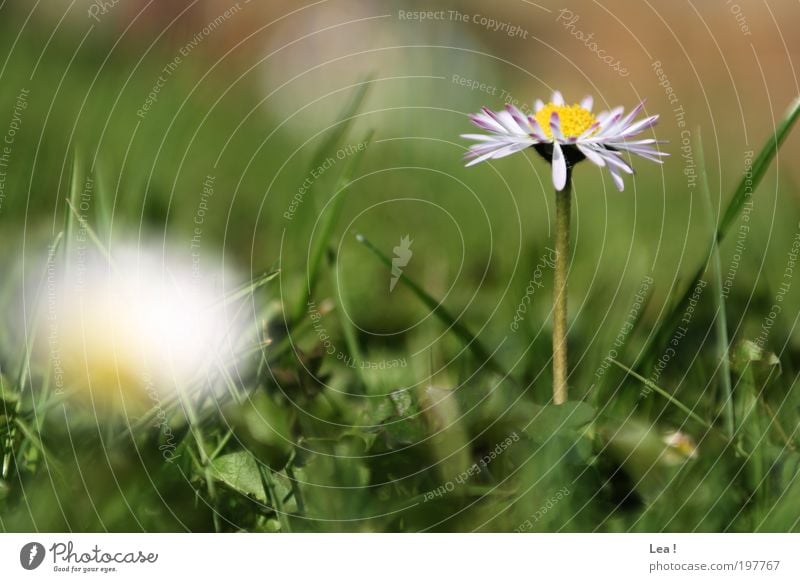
<point x="519" y="118"/>
<point x="494" y="150"/>
<point x="511" y="149"/>
<point x="632" y="147"/>
<point x="617" y="180"/>
<point x="486" y="122"/>
<point x="634" y="112"/>
<point x="559" y="167"/>
<point x="478" y="136"/>
<point x="639" y="126"/>
<point x="557" y="98"/>
<point x="587" y="102"/>
<point x="504" y="117"/>
<point x="609" y="119"/>
<point x="478" y="160"/>
<point x="555" y="127"/>
<point x="639" y="142"/>
<point x="592" y="155"/>
<point x="589" y="132"/>
<point x="614" y="161"/>
<point x="484" y="148"/>
<point x="538" y="106"/>
<point x="648" y="155"/>
<point x="491" y="147"/>
<point x="640" y="149"/>
<point x="478" y="154"/>
<point x="536" y="130"/>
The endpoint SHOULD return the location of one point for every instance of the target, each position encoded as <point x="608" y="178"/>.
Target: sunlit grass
<point x="400" y="433"/>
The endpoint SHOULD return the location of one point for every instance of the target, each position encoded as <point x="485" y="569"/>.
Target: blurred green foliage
<point x="317" y="444"/>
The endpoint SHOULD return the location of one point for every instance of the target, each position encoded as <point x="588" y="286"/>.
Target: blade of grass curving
<point x="759" y="168"/>
<point x="203" y="462"/>
<point x="223" y="441"/>
<point x="653" y="386"/>
<point x="441" y="313"/>
<point x="102" y="207"/>
<point x="351" y="341"/>
<point x="51" y="460"/>
<point x="52" y="252"/>
<point x="333" y="137"/>
<point x="248" y="288"/>
<point x="327" y="225"/>
<point x="69" y="217"/>
<point x="720" y="319"/>
<point x="747" y="185"/>
<point x="344" y="121"/>
<point x="91" y="233"/>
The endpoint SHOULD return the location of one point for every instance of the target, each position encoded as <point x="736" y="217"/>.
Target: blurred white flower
<point x="142" y="323"/>
<point x="680" y="447"/>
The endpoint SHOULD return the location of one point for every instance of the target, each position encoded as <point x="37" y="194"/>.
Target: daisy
<point x="146" y="327"/>
<point x="565" y="135"/>
<point x="680" y="447"/>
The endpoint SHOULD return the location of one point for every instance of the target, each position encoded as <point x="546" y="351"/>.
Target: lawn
<point x="243" y="295"/>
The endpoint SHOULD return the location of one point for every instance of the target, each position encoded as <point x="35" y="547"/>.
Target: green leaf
<point x="263" y="427"/>
<point x="239" y="471"/>
<point x="551" y="420"/>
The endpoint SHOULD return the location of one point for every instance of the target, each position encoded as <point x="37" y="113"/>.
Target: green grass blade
<point x="50" y="459"/>
<point x="748" y="184"/>
<point x="102" y="206"/>
<point x="720" y="319"/>
<point x="270" y="491"/>
<point x="248" y="288"/>
<point x="25" y="364"/>
<point x="351" y="341"/>
<point x="327" y="226"/>
<point x="759" y="169"/>
<point x="69" y="217"/>
<point x="441" y="313"/>
<point x="334" y="136"/>
<point x="344" y="121"/>
<point x="653" y="386"/>
<point x="90" y="232"/>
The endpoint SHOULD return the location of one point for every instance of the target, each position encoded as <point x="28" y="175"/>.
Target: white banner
<point x="401" y="557"/>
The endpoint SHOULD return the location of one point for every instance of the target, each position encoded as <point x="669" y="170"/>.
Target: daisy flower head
<point x="565" y="135"/>
<point x="680" y="447"/>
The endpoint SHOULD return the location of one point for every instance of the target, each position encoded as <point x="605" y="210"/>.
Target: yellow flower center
<point x="574" y="119"/>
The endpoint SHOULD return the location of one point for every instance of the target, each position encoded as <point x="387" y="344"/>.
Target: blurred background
<point x="226" y="129"/>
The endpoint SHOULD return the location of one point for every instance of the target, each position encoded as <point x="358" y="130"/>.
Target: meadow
<point x="392" y="366"/>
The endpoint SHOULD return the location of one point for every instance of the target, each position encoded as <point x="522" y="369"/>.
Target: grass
<point x="418" y="409"/>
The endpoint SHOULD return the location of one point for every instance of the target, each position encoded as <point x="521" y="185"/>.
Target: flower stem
<point x="563" y="200"/>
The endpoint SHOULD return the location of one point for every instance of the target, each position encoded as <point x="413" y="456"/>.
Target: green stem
<point x="563" y="200"/>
